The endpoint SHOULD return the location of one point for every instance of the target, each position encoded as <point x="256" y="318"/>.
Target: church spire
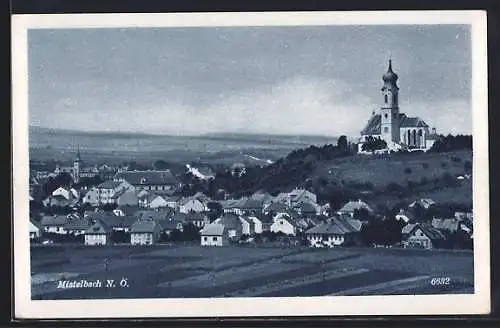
<point x="78" y="158"/>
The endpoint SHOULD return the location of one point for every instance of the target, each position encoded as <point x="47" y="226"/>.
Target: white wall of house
<point x="92" y="197"/>
<point x="96" y="239"/>
<point x="402" y="217"/>
<point x="418" y="238"/>
<point x="193" y="205"/>
<point x="256" y="223"/>
<point x="34" y="231"/>
<point x="142" y="238"/>
<point x="246" y="230"/>
<point x="282" y="225"/>
<point x="55" y="229"/>
<point x="62" y="192"/>
<point x="158" y="202"/>
<point x="328" y="240"/>
<point x="213" y="241"/>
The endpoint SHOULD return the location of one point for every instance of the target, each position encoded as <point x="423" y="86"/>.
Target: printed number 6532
<point x="440" y="281"/>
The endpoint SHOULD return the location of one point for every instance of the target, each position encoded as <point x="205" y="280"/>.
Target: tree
<point x="373" y="144"/>
<point x="342" y="142"/>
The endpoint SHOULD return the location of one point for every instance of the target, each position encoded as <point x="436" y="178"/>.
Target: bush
<point x="373" y="144"/>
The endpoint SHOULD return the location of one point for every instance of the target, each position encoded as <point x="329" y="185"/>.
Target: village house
<point x="214" y="234"/>
<point x="149" y="180"/>
<point x="233" y="206"/>
<point x="57" y="200"/>
<point x="199" y="220"/>
<point x="126" y="197"/>
<point x="66" y="193"/>
<point x="190" y="205"/>
<point x="172" y="201"/>
<point x="250" y="206"/>
<point x="91" y="197"/>
<point x="98" y="234"/>
<point x="350" y="207"/>
<point x="247" y="226"/>
<point x="336" y="231"/>
<point x="233" y="225"/>
<point x="299" y="196"/>
<point x="258" y="222"/>
<point x="120" y="223"/>
<point x="285" y="222"/>
<point x="170" y="225"/>
<point x="306" y="209"/>
<point x="265" y="197"/>
<point x="76" y="226"/>
<point x="155" y="201"/>
<point x="156" y="214"/>
<point x="422" y="236"/>
<point x="145" y="232"/>
<point x="35" y="229"/>
<point x="109" y="189"/>
<point x="452" y="225"/>
<point x="54" y="224"/>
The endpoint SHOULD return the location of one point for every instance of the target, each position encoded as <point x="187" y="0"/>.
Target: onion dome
<point x="390" y="76"/>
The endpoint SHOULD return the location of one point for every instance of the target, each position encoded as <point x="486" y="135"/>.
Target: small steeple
<point x="78" y="158"/>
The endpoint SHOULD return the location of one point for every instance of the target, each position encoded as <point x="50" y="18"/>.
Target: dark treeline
<point x="451" y="142"/>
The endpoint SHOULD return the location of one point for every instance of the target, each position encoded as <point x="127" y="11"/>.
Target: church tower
<point x="77" y="165"/>
<point x="389" y="112"/>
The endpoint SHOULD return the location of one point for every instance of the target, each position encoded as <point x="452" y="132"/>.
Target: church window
<point x="386" y="129"/>
<point x="385" y="98"/>
<point x="385" y="115"/>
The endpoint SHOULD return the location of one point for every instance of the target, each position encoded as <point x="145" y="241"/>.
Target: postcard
<point x="250" y="164"/>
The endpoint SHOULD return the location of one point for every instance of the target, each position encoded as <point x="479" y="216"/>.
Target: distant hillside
<point x="223" y="148"/>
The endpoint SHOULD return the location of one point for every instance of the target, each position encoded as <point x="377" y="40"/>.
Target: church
<point x="396" y="129"/>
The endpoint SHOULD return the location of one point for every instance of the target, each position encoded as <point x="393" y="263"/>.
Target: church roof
<point x="373" y="126"/>
<point x="411" y="122"/>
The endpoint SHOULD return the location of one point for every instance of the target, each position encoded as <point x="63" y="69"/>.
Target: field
<point x="191" y="271"/>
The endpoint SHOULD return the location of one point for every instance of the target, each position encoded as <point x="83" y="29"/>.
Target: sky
<point x="307" y="80"/>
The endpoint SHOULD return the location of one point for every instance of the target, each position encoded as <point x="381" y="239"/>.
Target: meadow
<point x="165" y="271"/>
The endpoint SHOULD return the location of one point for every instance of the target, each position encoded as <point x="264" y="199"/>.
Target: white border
<point x="478" y="303"/>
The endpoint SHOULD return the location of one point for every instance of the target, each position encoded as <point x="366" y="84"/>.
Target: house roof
<point x="307" y="208"/>
<point x="119" y="221"/>
<point x="213" y="229"/>
<point x="408" y="214"/>
<point x="230" y="220"/>
<point x="185" y="201"/>
<point x="445" y="224"/>
<point x="373" y="126"/>
<point x="77" y="224"/>
<point x="355" y="205"/>
<point x="144" y="226"/>
<point x="109" y="184"/>
<point x="169" y="224"/>
<point x="147" y="177"/>
<point x="192" y="217"/>
<point x="58" y="220"/>
<point x="276" y="207"/>
<point x="156" y="215"/>
<point x="128" y="209"/>
<point x="36" y="224"/>
<point x="252" y="204"/>
<point x="98" y="228"/>
<point x="407" y="229"/>
<point x="298" y="195"/>
<point x="336" y="226"/>
<point x="433" y="233"/>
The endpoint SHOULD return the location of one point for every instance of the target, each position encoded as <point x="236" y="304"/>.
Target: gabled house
<point x="92" y="196"/>
<point x="145" y="231"/>
<point x="232" y="224"/>
<point x="350" y="207"/>
<point x="423" y="236"/>
<point x="156" y="201"/>
<point x="298" y="196"/>
<point x="189" y="205"/>
<point x="336" y="231"/>
<point x="257" y="221"/>
<point x="285" y="222"/>
<point x="66" y="193"/>
<point x="247" y="226"/>
<point x="120" y="223"/>
<point x="214" y="234"/>
<point x="306" y="209"/>
<point x="54" y="224"/>
<point x="98" y="234"/>
<point x="149" y="180"/>
<point x="450" y="225"/>
<point x="157" y="214"/>
<point x="172" y="201"/>
<point x="57" y="200"/>
<point x="35" y="229"/>
<point x="126" y="197"/>
<point x="233" y="206"/>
